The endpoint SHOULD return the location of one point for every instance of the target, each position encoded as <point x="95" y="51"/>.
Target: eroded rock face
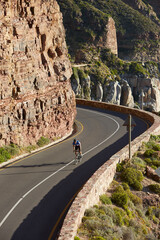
<point x="113" y="93"/>
<point x="151" y="91"/>
<point x="36" y="98"/>
<point x="109" y="38"/>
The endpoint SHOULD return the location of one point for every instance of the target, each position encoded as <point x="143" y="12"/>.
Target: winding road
<point x="37" y="190"/>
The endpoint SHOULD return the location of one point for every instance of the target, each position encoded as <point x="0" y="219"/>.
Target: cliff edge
<point x="36" y="98"/>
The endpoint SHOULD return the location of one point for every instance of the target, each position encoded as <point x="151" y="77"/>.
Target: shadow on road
<point x="41" y="220"/>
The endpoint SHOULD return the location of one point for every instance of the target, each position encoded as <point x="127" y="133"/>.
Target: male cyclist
<point x="76" y="147"/>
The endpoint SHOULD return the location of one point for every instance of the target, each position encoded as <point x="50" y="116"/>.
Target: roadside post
<point x="130" y="124"/>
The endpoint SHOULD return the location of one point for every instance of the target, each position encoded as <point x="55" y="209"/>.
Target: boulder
<point x="112" y="92"/>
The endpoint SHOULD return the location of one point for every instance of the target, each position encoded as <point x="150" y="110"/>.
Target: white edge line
<point x="44" y="180"/>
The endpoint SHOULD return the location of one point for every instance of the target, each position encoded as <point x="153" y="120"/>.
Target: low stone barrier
<point x="101" y="179"/>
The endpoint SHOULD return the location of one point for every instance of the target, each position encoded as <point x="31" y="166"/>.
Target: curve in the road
<point x="60" y="169"/>
<point x="87" y="166"/>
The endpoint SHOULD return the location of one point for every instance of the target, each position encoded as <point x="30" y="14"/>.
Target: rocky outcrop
<point x="99" y="92"/>
<point x="151" y="91"/>
<point x="126" y="95"/>
<point x="36" y="98"/>
<point x="150" y="172"/>
<point x="112" y="93"/>
<point x="81" y="84"/>
<point x="109" y="37"/>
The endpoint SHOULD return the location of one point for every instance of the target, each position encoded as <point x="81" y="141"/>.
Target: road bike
<point x="78" y="157"/>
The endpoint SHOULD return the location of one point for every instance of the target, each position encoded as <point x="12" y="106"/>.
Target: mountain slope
<point x="137" y="24"/>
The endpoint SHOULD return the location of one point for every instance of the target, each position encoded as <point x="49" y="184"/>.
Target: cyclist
<point x="76" y="147"/>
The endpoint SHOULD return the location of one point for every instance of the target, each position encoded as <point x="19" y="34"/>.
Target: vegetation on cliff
<point x="138" y="35"/>
<point x="137" y="24"/>
<point x="130" y="209"/>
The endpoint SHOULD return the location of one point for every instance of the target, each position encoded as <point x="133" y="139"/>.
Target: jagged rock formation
<point x="109" y="38"/>
<point x="151" y="91"/>
<point x="36" y="98"/>
<point x="126" y="94"/>
<point x="113" y="93"/>
<point x="99" y="92"/>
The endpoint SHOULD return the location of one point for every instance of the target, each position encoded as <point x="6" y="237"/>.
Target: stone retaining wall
<point x="95" y="186"/>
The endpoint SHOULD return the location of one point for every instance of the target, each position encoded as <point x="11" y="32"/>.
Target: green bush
<point x="119" y="167"/>
<point x="133" y="177"/>
<point x="119" y="215"/>
<point x="76" y="238"/>
<point x="134" y="198"/>
<point x="155" y="138"/>
<point x="98" y="238"/>
<point x="2" y="159"/>
<point x="120" y="198"/>
<point x="155" y="220"/>
<point x="12" y="149"/>
<point x="148" y="161"/>
<point x="30" y="148"/>
<point x="156" y="163"/>
<point x="129" y="213"/>
<point x="137" y="185"/>
<point x="125" y="186"/>
<point x="138" y="161"/>
<point x="108" y="211"/>
<point x="149" y="153"/>
<point x="156" y="147"/>
<point x="105" y="199"/>
<point x="4" y="155"/>
<point x="43" y="141"/>
<point x="155" y="188"/>
<point x="137" y="68"/>
<point x="89" y="212"/>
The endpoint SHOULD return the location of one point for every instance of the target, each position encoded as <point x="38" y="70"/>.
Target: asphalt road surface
<point x="36" y="190"/>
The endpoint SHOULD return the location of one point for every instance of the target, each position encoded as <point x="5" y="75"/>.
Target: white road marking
<point x="44" y="180"/>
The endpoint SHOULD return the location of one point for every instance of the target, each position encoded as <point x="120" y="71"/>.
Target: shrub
<point x="105" y="199"/>
<point x="30" y="148"/>
<point x="149" y="153"/>
<point x="119" y="167"/>
<point x="108" y="210"/>
<point x="137" y="68"/>
<point x="76" y="238"/>
<point x="12" y="149"/>
<point x="156" y="147"/>
<point x="2" y="159"/>
<point x="125" y="186"/>
<point x="100" y="213"/>
<point x="92" y="224"/>
<point x="138" y="161"/>
<point x="128" y="234"/>
<point x="155" y="220"/>
<point x="118" y="217"/>
<point x="120" y="198"/>
<point x="89" y="212"/>
<point x="148" y="161"/>
<point x="156" y="163"/>
<point x="133" y="177"/>
<point x="155" y="188"/>
<point x="43" y="141"/>
<point x="149" y="212"/>
<point x="155" y="138"/>
<point x="129" y="213"/>
<point x="98" y="238"/>
<point x="4" y="155"/>
<point x="137" y="185"/>
<point x="134" y="198"/>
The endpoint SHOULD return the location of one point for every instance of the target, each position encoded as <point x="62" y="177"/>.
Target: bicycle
<point x="78" y="157"/>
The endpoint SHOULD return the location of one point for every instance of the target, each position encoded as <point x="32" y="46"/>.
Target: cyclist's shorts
<point x="77" y="148"/>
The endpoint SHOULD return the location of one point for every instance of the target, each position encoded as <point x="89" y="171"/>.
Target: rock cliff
<point x="36" y="98"/>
